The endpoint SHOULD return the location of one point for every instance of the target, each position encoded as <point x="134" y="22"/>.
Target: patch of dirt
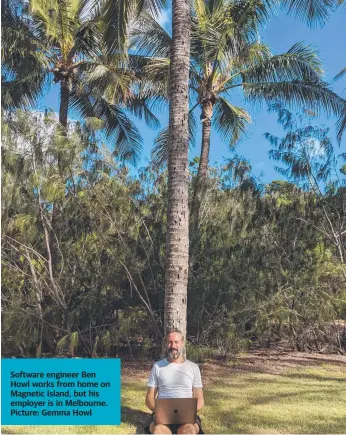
<point x="135" y="370"/>
<point x="268" y="361"/>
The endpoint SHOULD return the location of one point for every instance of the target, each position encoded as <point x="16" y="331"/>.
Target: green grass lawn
<point x="269" y="397"/>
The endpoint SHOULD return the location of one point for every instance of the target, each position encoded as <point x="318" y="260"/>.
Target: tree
<point x="177" y="245"/>
<point x="309" y="157"/>
<point x="105" y="258"/>
<point x="65" y="39"/>
<point x="225" y="56"/>
<point x="316" y="13"/>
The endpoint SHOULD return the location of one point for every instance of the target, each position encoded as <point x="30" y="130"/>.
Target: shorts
<point x="174" y="427"/>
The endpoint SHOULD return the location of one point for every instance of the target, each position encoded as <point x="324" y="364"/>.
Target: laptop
<point x="175" y="411"/>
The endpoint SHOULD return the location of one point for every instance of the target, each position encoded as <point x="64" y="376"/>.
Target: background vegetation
<point x="84" y="249"/>
<point x="84" y="240"/>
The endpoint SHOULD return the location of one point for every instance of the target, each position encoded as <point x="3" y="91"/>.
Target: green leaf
<point x="230" y="121"/>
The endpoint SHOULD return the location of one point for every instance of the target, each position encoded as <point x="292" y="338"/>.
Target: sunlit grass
<point x="300" y="400"/>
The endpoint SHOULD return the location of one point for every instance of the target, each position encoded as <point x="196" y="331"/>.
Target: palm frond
<point x="154" y="7"/>
<point x="149" y="38"/>
<point x="58" y="21"/>
<point x="341" y="123"/>
<point x="141" y="108"/>
<point x="159" y="154"/>
<point x="300" y="62"/>
<point x="108" y="76"/>
<point x="156" y="74"/>
<point x="230" y="121"/>
<point x="250" y="15"/>
<point x="340" y="74"/>
<point x="18" y="33"/>
<point x="119" y="13"/>
<point x="312" y="12"/>
<point x="192" y="127"/>
<point x="22" y="92"/>
<point x="21" y="40"/>
<point x="87" y="40"/>
<point x="256" y="53"/>
<point x="341" y="4"/>
<point x="24" y="63"/>
<point x="117" y="16"/>
<point x="315" y="95"/>
<point x="117" y="126"/>
<point x="224" y="29"/>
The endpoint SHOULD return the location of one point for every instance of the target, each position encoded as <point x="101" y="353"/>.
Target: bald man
<point x="163" y="383"/>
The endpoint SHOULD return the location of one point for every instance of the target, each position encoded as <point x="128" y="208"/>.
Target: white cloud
<point x="316" y="149"/>
<point x="163" y="19"/>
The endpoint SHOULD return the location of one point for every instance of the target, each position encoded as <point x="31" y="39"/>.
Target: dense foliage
<point x="264" y="264"/>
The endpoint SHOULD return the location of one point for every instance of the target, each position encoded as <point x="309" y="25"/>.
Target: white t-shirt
<point x="175" y="380"/>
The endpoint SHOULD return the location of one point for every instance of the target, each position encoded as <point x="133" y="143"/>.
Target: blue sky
<point x="280" y="34"/>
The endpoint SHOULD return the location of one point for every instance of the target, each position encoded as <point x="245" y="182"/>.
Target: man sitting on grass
<point x="175" y="377"/>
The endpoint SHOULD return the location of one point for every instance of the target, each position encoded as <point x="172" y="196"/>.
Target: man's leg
<point x="188" y="429"/>
<point x="159" y="428"/>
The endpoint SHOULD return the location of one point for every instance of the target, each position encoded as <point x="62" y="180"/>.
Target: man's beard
<point x="174" y="355"/>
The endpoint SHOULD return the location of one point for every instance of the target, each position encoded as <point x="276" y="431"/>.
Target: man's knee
<point x="159" y="428"/>
<point x="187" y="429"/>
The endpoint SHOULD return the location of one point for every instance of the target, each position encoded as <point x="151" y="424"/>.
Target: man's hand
<point x="150" y="398"/>
<point x="198" y="394"/>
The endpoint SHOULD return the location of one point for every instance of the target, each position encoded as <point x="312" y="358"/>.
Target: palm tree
<point x="177" y="244"/>
<point x="65" y="39"/>
<point x="226" y="55"/>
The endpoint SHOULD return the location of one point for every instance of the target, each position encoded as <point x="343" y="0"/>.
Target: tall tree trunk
<point x="177" y="242"/>
<point x="207" y="113"/>
<point x="63" y="114"/>
<point x="64" y="100"/>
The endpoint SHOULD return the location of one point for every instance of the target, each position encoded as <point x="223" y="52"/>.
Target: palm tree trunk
<point x="64" y="97"/>
<point x="177" y="242"/>
<point x="63" y="113"/>
<point x="207" y="113"/>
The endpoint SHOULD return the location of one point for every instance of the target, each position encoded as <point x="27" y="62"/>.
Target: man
<point x="175" y="377"/>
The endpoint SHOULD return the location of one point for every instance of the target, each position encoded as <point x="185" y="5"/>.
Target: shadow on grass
<point x="309" y="376"/>
<point x="311" y="361"/>
<point x="135" y="417"/>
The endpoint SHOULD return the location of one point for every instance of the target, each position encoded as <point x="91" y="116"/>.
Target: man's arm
<point x="198" y="394"/>
<point x="150" y="398"/>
